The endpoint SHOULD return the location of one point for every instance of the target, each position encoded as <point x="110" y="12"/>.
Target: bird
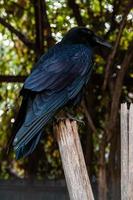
<point x="57" y="78"/>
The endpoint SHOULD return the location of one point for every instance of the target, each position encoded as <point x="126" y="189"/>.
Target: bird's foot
<point x="75" y="118"/>
<point x="69" y="116"/>
<point x="60" y="118"/>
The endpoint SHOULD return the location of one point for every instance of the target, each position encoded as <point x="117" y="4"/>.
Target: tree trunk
<point x="102" y="182"/>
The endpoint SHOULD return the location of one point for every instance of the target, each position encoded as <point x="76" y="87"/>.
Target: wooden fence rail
<point x="126" y="152"/>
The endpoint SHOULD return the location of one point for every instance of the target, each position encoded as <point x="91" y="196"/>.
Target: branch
<point x="47" y="28"/>
<point x="116" y="5"/>
<point x="12" y="79"/>
<point x="39" y="25"/>
<point x="113" y="53"/>
<point x="88" y="117"/>
<point x="21" y="36"/>
<point x="118" y="90"/>
<point x="76" y="12"/>
<point x="96" y="79"/>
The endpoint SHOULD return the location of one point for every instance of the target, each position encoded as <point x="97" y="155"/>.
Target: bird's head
<point x="82" y="35"/>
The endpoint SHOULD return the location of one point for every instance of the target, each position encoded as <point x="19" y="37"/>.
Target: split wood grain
<point x="75" y="171"/>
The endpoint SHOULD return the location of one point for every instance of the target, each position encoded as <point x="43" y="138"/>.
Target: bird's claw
<point x="69" y="117"/>
<point x="75" y="119"/>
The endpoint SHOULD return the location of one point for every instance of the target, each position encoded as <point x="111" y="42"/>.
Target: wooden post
<point x="75" y="171"/>
<point x="126" y="152"/>
<point x="130" y="185"/>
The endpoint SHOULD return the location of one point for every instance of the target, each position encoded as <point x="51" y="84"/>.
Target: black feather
<point x="18" y="121"/>
<point x="57" y="78"/>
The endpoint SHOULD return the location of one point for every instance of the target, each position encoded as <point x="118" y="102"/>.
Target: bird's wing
<point x="59" y="69"/>
<point x="55" y="81"/>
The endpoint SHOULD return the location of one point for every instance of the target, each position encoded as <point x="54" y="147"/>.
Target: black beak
<point x="102" y="42"/>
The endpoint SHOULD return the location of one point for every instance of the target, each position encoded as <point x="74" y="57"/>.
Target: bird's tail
<point x="18" y="122"/>
<point x="39" y="112"/>
<point x="26" y="144"/>
<point x="27" y="149"/>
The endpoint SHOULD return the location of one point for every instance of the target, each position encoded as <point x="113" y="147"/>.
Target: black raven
<point x="57" y="78"/>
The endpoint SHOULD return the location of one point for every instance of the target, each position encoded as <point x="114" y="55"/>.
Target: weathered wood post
<point x="130" y="168"/>
<point x="75" y="171"/>
<point x="126" y="152"/>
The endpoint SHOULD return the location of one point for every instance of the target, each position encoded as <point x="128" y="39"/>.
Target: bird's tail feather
<point x="28" y="143"/>
<point x="26" y="150"/>
<point x="27" y="136"/>
<point x="18" y="122"/>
